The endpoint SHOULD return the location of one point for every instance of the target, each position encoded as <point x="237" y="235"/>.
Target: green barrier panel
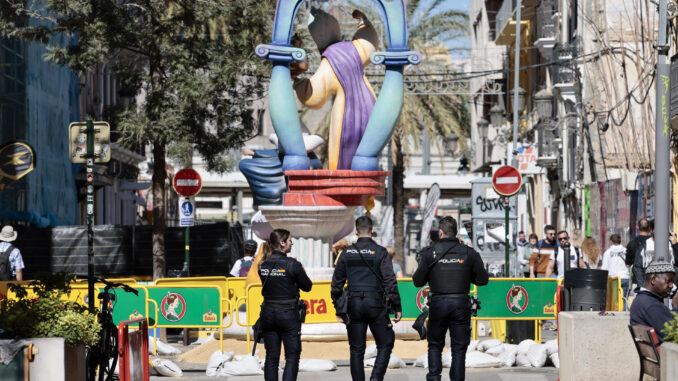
<point x="187" y="307"/>
<point x="518" y="299"/>
<point x="129" y="306"/>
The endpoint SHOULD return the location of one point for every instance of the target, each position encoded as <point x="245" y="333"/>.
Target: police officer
<point x="449" y="267"/>
<point x="281" y="277"/>
<point x="367" y="269"/>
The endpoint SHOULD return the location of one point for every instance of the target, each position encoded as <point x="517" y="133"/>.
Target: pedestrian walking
<point x="591" y="252"/>
<point x="543" y="252"/>
<point x="556" y="265"/>
<point x="397" y="270"/>
<point x="449" y="267"/>
<point x="633" y="247"/>
<point x="242" y="266"/>
<point x="282" y="278"/>
<point x="614" y="261"/>
<point x="11" y="263"/>
<point x="367" y="269"/>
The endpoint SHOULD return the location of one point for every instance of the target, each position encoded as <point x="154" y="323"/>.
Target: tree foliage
<point x="190" y="63"/>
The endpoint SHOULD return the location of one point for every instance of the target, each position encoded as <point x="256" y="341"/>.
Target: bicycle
<point x="104" y="355"/>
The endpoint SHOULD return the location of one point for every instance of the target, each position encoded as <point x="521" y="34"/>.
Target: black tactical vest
<point x="358" y="276"/>
<point x="280" y="287"/>
<point x="452" y="273"/>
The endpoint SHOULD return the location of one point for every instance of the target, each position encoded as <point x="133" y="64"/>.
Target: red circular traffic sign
<point x="187" y="182"/>
<point x="507" y="180"/>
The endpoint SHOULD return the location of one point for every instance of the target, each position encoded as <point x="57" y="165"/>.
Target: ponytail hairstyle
<point x="273" y="243"/>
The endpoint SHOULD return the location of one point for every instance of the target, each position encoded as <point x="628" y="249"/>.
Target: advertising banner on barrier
<point x="187" y="306"/>
<point x="319" y="307"/>
<point x="518" y="298"/>
<point x="129" y="306"/>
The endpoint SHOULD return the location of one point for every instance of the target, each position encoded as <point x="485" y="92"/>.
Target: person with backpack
<point x="242" y="266"/>
<point x="367" y="270"/>
<point x="11" y="262"/>
<point x="281" y="313"/>
<point x="449" y="267"/>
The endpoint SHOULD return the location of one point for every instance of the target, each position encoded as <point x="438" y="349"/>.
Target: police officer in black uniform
<point x="449" y="267"/>
<point x="367" y="269"/>
<point x="282" y="277"/>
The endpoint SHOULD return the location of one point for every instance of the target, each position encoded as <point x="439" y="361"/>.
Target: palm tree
<point x="437" y="115"/>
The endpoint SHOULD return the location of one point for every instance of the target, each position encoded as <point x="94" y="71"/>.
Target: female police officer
<point x="282" y="277"/>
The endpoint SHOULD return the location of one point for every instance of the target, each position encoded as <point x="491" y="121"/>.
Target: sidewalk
<point x="196" y="372"/>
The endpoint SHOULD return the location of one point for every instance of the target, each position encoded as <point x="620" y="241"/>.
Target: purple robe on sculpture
<point x="359" y="100"/>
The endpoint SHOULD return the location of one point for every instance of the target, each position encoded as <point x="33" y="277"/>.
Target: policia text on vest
<point x="449" y="267"/>
<point x="367" y="270"/>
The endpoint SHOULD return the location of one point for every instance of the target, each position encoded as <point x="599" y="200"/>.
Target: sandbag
<point x="551" y="347"/>
<point x="421" y="361"/>
<point x="495" y="351"/>
<point x="162" y="347"/>
<point x="511" y="347"/>
<point x="522" y="360"/>
<point x="487" y="344"/>
<point x="370" y="352"/>
<point x="216" y="362"/>
<point x="203" y="340"/>
<point x="537" y="355"/>
<point x="555" y="359"/>
<point x="477" y="359"/>
<point x="247" y="366"/>
<point x="166" y="367"/>
<point x="241" y="357"/>
<point x="315" y="365"/>
<point x="472" y="346"/>
<point x="394" y="362"/>
<point x="447" y="358"/>
<point x="507" y="357"/>
<point x="524" y="346"/>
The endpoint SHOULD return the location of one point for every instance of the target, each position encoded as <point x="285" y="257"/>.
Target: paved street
<point x="197" y="373"/>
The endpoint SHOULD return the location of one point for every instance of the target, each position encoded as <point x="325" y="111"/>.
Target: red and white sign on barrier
<point x="133" y="350"/>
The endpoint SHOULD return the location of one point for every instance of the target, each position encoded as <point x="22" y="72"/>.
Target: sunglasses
<point x="563" y="238"/>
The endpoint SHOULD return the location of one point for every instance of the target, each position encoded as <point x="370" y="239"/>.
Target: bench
<point x="647" y="345"/>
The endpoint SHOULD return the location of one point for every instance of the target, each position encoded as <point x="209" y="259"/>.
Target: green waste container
<point x="14" y="371"/>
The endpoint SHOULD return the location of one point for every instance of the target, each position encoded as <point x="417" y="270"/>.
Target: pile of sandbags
<point x="226" y="364"/>
<point x="394" y="362"/>
<point x="494" y="353"/>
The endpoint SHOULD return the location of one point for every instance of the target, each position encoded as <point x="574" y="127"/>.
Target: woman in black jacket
<point x="282" y="277"/>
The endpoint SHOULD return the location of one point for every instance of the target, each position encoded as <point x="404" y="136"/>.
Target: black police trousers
<point x="364" y="312"/>
<point x="281" y="325"/>
<point x="453" y="314"/>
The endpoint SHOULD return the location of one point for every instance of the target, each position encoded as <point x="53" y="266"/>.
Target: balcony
<point x="505" y="23"/>
<point x="546" y="28"/>
<point x="564" y="73"/>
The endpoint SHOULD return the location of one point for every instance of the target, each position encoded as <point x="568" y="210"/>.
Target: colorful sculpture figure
<point x="361" y="131"/>
<point x="341" y="74"/>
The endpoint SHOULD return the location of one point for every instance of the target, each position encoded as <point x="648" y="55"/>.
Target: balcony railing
<point x="566" y="54"/>
<point x="546" y="25"/>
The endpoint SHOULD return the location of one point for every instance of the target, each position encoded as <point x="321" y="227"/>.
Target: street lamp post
<point x="482" y="131"/>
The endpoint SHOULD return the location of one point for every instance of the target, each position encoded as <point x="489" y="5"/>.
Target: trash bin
<point x="17" y="369"/>
<point x="587" y="288"/>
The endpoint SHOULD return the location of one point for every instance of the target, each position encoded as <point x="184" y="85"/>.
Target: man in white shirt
<point x="574" y="255"/>
<point x="242" y="266"/>
<point x="11" y="262"/>
<point x="614" y="261"/>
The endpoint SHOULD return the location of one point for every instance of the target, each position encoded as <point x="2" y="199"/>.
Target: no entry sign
<point x="187" y="182"/>
<point x="507" y="180"/>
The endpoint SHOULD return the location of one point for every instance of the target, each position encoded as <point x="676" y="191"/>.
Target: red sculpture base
<point x="333" y="188"/>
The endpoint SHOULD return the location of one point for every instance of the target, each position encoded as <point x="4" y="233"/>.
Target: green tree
<point x="192" y="62"/>
<point x="438" y="115"/>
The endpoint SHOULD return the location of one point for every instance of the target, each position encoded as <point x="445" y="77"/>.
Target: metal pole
<point x="513" y="158"/>
<point x="89" y="155"/>
<point x="506" y="236"/>
<point x="188" y="249"/>
<point x="662" y="205"/>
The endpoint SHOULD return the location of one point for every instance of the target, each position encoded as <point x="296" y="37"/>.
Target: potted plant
<point x="60" y="328"/>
